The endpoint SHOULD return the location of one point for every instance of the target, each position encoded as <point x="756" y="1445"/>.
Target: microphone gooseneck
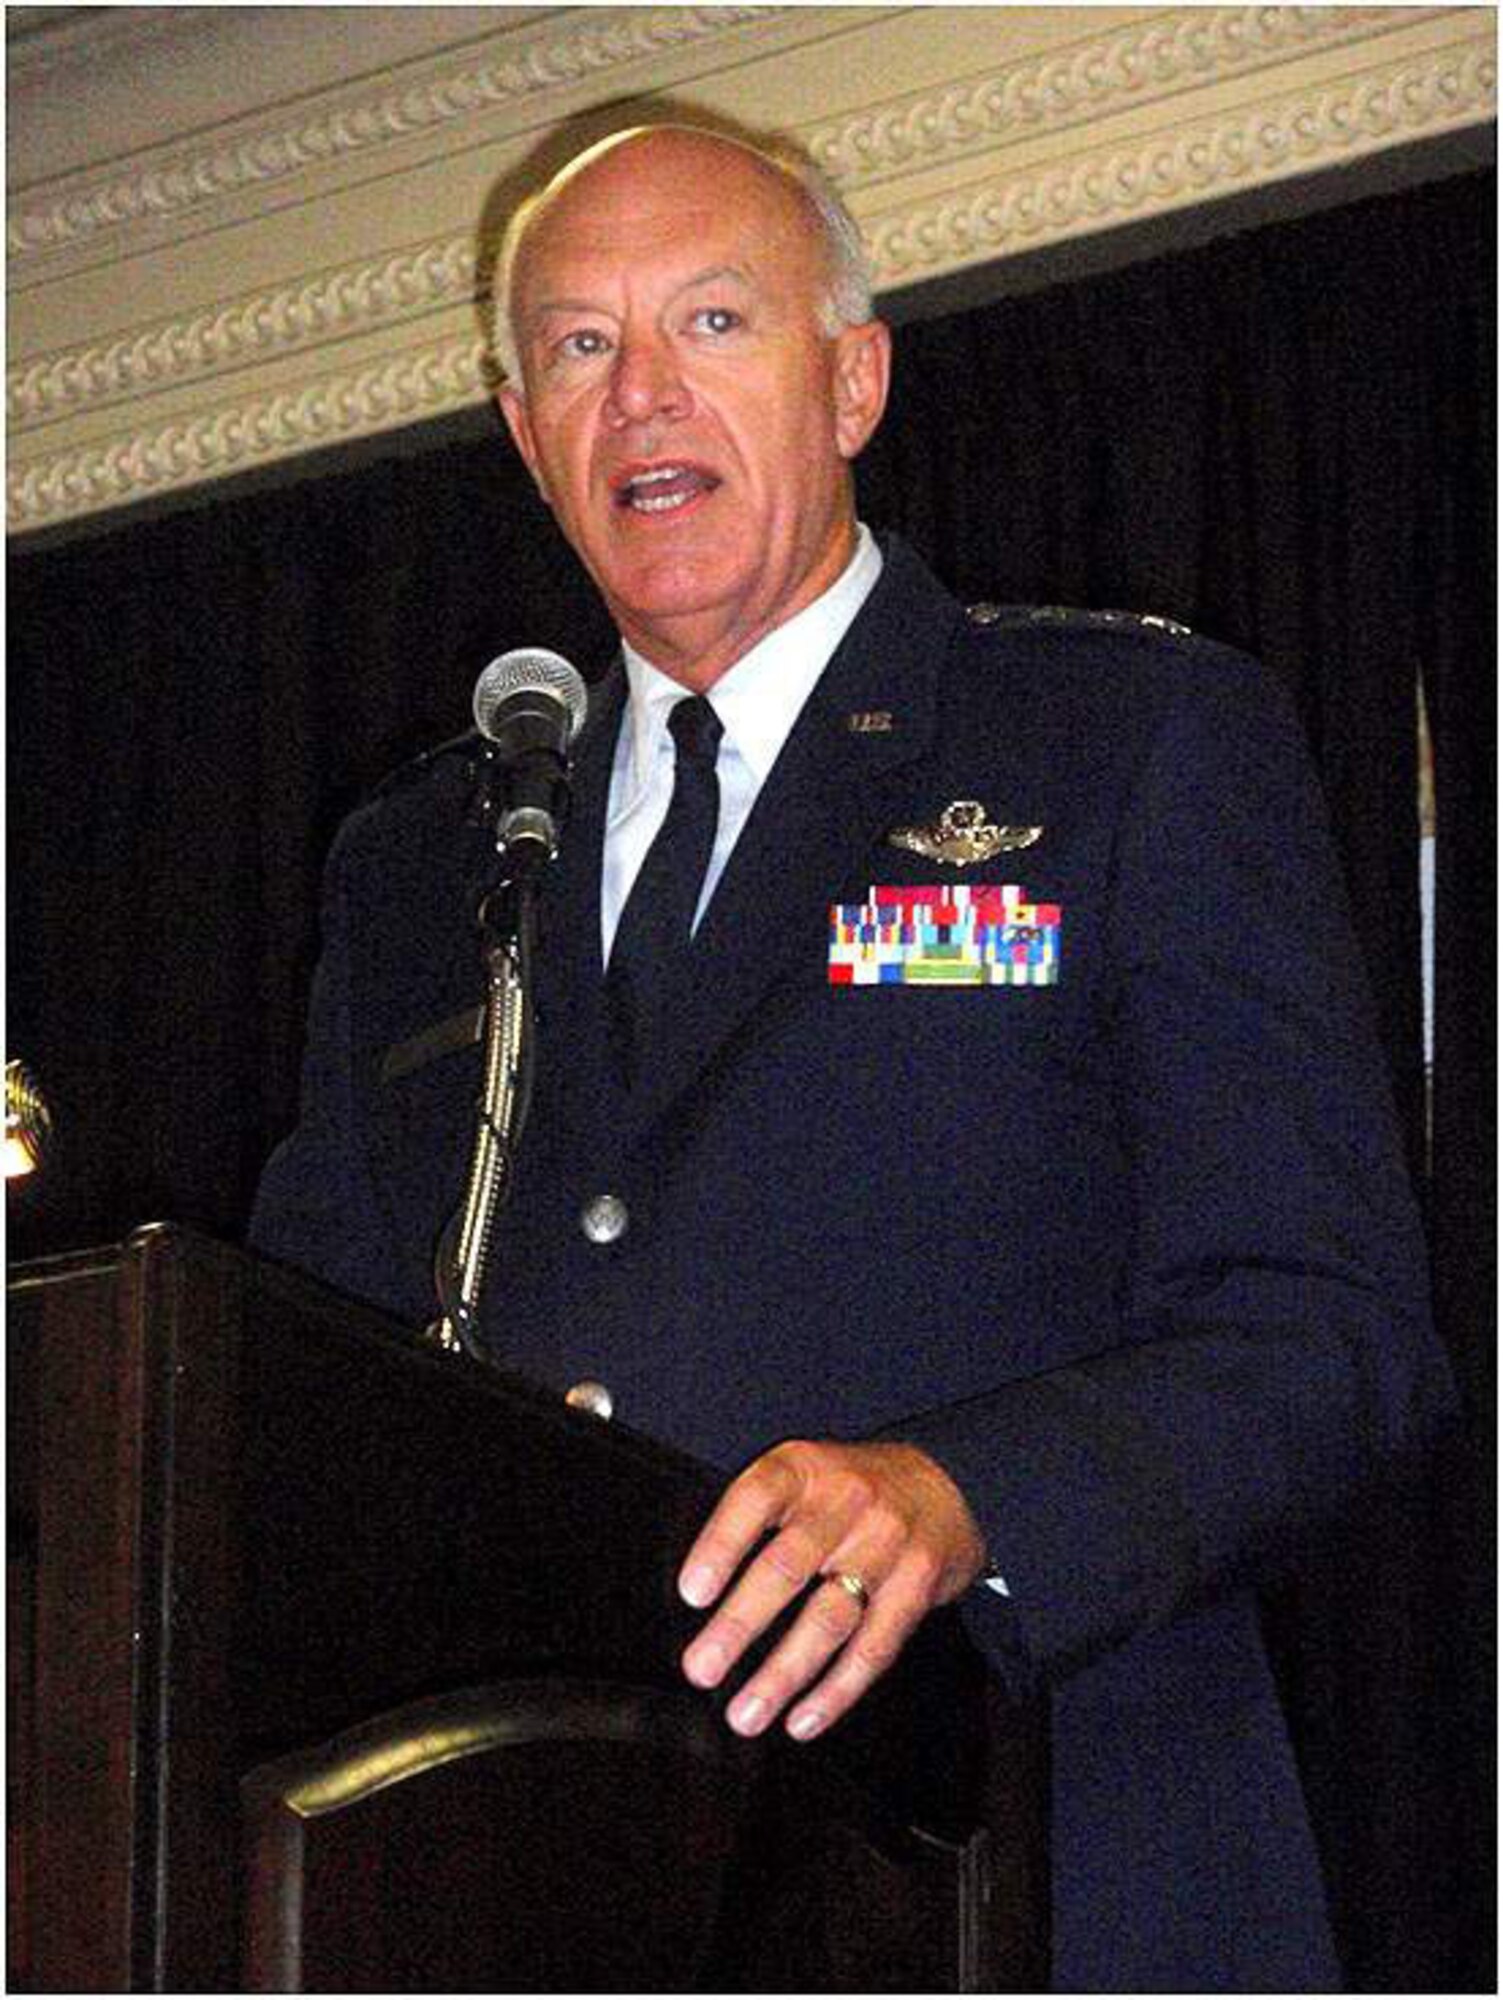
<point x="529" y="706"/>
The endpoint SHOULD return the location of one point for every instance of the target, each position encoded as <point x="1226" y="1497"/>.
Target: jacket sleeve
<point x="315" y="1207"/>
<point x="1273" y="1350"/>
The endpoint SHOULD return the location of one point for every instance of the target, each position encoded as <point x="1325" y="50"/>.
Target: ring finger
<point x="838" y="1602"/>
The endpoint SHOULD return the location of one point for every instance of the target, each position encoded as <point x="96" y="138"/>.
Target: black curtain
<point x="1284" y="439"/>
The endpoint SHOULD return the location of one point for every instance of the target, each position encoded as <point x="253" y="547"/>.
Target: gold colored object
<point x="870" y="722"/>
<point x="439" y="1730"/>
<point x="592" y="1397"/>
<point x="28" y="1121"/>
<point x="963" y="835"/>
<point x="852" y="1585"/>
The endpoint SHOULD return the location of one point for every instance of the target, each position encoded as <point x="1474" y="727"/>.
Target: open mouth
<point x="663" y="489"/>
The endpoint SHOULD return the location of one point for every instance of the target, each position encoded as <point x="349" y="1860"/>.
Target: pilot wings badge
<point x="963" y="836"/>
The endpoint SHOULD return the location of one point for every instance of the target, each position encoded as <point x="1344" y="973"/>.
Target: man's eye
<point x="581" y="345"/>
<point x="716" y="319"/>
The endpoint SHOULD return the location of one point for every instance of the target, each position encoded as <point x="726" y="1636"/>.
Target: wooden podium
<point x="338" y="1664"/>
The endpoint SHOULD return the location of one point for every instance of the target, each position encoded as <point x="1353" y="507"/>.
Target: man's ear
<point x="514" y="409"/>
<point x="863" y="370"/>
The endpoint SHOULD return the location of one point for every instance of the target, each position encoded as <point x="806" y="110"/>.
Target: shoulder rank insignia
<point x="963" y="835"/>
<point x="1008" y="617"/>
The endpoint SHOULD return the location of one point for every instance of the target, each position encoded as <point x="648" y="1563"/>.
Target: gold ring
<point x="852" y="1584"/>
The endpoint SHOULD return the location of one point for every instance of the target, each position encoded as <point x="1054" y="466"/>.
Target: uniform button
<point x="593" y="1397"/>
<point x="604" y="1218"/>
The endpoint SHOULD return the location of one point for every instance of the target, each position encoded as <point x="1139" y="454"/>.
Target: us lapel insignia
<point x="963" y="835"/>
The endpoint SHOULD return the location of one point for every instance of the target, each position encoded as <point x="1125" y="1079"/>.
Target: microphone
<point x="530" y="705"/>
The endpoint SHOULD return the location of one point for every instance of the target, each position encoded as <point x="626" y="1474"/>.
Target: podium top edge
<point x="97" y="1259"/>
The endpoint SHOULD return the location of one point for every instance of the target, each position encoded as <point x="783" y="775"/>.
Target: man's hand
<point x="883" y="1513"/>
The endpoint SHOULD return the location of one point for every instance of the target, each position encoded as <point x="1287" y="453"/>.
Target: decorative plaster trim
<point x="400" y="389"/>
<point x="333" y="306"/>
<point x="1202" y="160"/>
<point x="1148" y="63"/>
<point x="60" y="38"/>
<point x="919" y="130"/>
<point x="189" y="180"/>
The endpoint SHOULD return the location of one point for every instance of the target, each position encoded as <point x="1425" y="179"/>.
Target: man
<point x="1062" y="1264"/>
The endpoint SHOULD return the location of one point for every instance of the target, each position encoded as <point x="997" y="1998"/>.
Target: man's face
<point x="685" y="417"/>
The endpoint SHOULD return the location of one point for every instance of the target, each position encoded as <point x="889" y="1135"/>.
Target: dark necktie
<point x="653" y="933"/>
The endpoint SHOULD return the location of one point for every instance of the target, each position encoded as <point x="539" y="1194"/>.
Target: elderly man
<point x="989" y="1158"/>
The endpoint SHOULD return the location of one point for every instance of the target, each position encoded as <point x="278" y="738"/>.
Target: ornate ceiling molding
<point x="191" y="178"/>
<point x="1203" y="159"/>
<point x="203" y="342"/>
<point x="233" y="437"/>
<point x="332" y="306"/>
<point x="45" y="39"/>
<point x="1165" y="54"/>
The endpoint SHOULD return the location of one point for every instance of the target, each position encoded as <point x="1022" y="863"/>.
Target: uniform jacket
<point x="1131" y="1253"/>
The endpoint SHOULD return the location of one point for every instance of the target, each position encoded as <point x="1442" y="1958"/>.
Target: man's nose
<point x="646" y="383"/>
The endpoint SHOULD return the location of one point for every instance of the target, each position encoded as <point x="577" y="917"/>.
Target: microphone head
<point x="529" y="671"/>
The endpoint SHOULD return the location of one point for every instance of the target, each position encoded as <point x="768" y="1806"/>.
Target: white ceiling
<point x="237" y="234"/>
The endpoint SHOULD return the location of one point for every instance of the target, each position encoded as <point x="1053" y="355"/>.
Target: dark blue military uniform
<point x="1127" y="1247"/>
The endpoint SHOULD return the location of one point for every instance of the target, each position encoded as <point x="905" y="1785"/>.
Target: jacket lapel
<point x="834" y="791"/>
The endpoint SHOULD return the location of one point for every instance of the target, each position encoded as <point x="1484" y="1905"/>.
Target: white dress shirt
<point x="758" y="701"/>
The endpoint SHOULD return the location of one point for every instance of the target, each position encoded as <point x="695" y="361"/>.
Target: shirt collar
<point x="759" y="698"/>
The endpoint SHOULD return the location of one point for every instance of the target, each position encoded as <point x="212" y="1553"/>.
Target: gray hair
<point x="847" y="300"/>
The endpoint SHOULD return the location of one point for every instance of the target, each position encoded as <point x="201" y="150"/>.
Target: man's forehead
<point x="662" y="187"/>
<point x="673" y="157"/>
